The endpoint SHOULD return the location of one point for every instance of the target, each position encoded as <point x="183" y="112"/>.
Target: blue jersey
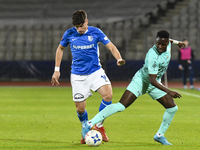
<point x="84" y="49"/>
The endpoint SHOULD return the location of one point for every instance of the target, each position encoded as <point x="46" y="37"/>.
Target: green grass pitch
<point x="44" y="118"/>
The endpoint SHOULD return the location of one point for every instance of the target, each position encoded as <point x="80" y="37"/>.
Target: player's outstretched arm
<point x="56" y="74"/>
<point x="174" y="94"/>
<point x="154" y="82"/>
<point x="179" y="43"/>
<point x="115" y="53"/>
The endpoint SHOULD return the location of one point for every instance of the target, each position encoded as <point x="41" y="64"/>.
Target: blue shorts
<point x="138" y="86"/>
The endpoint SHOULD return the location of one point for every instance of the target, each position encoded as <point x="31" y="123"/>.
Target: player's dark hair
<point x="162" y="34"/>
<point x="79" y="17"/>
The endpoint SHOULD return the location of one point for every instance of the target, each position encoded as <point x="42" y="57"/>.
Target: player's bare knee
<point x="80" y="110"/>
<point x="107" y="97"/>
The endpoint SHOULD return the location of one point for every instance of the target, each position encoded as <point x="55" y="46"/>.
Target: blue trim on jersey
<point x="85" y="49"/>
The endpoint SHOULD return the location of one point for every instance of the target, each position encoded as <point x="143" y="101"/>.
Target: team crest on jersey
<point x="154" y="65"/>
<point x="90" y="38"/>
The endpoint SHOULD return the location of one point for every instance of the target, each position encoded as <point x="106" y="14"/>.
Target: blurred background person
<point x="185" y="59"/>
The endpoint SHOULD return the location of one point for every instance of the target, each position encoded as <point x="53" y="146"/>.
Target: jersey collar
<point x="83" y="33"/>
<point x="155" y="49"/>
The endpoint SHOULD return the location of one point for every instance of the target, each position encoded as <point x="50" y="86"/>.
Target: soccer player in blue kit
<point x="86" y="71"/>
<point x="148" y="80"/>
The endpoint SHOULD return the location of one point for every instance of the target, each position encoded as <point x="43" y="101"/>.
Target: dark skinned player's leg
<point x="167" y="101"/>
<point x="170" y="110"/>
<point x="127" y="98"/>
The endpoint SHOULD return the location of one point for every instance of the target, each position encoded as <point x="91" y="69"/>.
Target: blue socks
<point x="104" y="104"/>
<point x="101" y="107"/>
<point x="83" y="117"/>
<point x="167" y="119"/>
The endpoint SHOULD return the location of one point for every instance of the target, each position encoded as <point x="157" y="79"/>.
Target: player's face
<point x="186" y="43"/>
<point x="82" y="28"/>
<point x="161" y="44"/>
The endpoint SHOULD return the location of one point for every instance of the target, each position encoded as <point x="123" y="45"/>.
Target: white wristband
<point x="175" y="42"/>
<point x="119" y="60"/>
<point x="57" y="69"/>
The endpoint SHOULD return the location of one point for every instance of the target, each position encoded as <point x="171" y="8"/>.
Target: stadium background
<point x="30" y="31"/>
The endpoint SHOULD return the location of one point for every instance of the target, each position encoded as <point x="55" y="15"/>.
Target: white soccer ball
<point x="93" y="138"/>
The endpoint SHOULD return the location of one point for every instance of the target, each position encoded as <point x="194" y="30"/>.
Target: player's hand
<point x="55" y="77"/>
<point x="174" y="94"/>
<point x="180" y="67"/>
<point x="181" y="45"/>
<point x="121" y="62"/>
<point x="189" y="61"/>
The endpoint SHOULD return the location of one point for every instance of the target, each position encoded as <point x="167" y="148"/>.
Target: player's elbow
<point x="152" y="81"/>
<point x="60" y="47"/>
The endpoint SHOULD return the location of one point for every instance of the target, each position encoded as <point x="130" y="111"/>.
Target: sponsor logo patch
<point x="78" y="96"/>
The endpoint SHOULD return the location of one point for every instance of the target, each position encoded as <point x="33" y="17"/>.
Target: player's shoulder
<point x="152" y="53"/>
<point x="94" y="29"/>
<point x="153" y="50"/>
<point x="169" y="46"/>
<point x="70" y="31"/>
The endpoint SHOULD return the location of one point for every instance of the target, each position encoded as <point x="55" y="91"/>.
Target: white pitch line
<point x="186" y="93"/>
